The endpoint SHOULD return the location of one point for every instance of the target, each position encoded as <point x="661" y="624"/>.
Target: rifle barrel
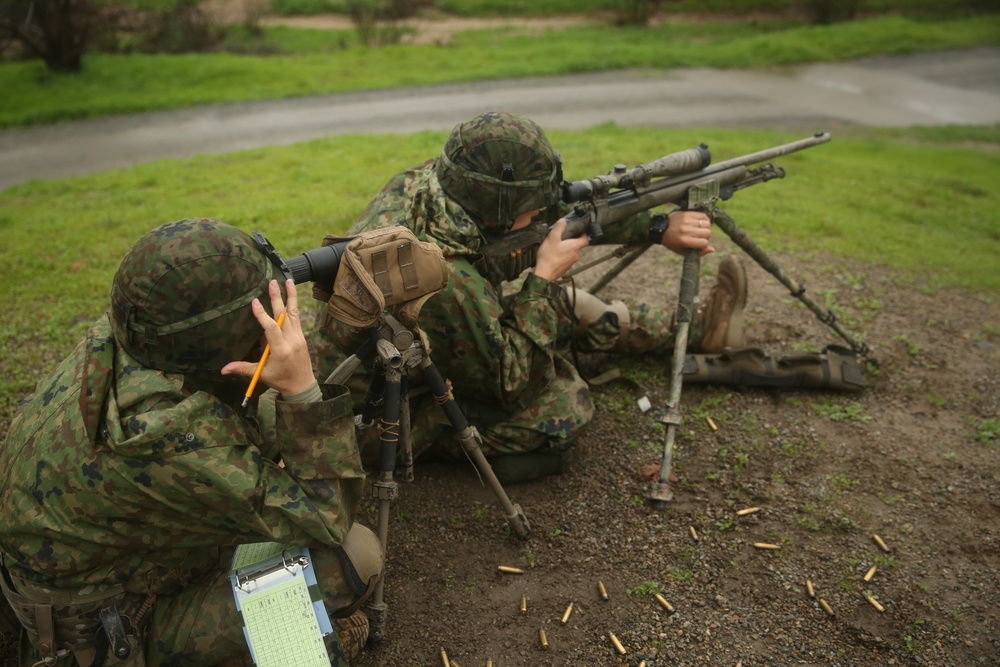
<point x="771" y="153"/>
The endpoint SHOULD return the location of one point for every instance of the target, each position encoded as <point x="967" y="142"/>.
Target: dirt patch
<point x="437" y="30"/>
<point x="913" y="459"/>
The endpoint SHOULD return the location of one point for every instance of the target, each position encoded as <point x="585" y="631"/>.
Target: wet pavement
<point x="953" y="87"/>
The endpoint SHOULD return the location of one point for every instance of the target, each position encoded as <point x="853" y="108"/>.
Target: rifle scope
<point x="675" y="164"/>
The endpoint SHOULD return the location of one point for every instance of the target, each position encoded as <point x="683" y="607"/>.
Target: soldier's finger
<point x="292" y="303"/>
<point x="277" y="304"/>
<point x="240" y="368"/>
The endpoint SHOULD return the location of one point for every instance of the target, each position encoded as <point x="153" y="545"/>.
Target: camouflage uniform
<point x="129" y="485"/>
<point x="506" y="356"/>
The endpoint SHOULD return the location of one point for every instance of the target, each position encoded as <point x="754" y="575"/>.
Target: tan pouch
<point x="380" y="269"/>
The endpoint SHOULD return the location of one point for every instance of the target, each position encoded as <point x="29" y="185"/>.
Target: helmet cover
<point x="498" y="166"/>
<point x="180" y="300"/>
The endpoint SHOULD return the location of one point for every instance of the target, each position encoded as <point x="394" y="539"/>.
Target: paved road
<point x="960" y="87"/>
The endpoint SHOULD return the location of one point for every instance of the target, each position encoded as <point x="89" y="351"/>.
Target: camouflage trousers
<point x="199" y="626"/>
<point x="562" y="409"/>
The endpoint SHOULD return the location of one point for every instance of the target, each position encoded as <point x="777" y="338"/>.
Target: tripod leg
<point x="347" y="367"/>
<point x="470" y="440"/>
<point x="827" y="317"/>
<point x="404" y="433"/>
<point x="385" y="489"/>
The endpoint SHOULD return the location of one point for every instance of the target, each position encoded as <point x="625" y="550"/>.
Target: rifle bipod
<point x="660" y="492"/>
<point x="396" y="350"/>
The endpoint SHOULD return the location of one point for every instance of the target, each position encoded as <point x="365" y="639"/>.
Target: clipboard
<point x="284" y="619"/>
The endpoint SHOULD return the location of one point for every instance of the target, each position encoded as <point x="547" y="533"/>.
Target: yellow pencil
<point x="260" y="365"/>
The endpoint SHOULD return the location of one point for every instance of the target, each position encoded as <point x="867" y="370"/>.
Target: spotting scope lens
<point x="318" y="265"/>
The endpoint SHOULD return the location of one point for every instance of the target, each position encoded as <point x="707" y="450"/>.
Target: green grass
<point x="921" y="201"/>
<point x="479" y="8"/>
<point x="320" y="62"/>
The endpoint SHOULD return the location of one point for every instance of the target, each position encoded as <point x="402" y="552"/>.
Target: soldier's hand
<point x="288" y="368"/>
<point x="688" y="230"/>
<point x="556" y="256"/>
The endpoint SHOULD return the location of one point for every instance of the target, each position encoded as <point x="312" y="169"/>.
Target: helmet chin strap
<point x="505" y="218"/>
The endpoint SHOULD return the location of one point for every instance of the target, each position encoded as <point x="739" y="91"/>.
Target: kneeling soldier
<point x="133" y="472"/>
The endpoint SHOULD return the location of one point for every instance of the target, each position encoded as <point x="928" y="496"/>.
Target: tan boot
<point x="722" y="314"/>
<point x="353" y="632"/>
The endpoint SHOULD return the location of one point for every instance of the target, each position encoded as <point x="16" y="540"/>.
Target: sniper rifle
<point x="686" y="179"/>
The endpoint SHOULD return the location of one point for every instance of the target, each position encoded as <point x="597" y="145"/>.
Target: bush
<point x="825" y="12"/>
<point x="635" y="12"/>
<point x="375" y="20"/>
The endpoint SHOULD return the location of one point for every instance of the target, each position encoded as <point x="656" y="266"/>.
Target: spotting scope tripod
<point x="394" y="350"/>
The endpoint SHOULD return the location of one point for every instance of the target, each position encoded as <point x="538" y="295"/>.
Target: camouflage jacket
<point x="497" y="351"/>
<point x="118" y="474"/>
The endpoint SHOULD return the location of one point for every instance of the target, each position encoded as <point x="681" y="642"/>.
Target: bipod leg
<point x="385" y="489"/>
<point x="470" y="440"/>
<point x="827" y="317"/>
<point x="619" y="266"/>
<point x="661" y="493"/>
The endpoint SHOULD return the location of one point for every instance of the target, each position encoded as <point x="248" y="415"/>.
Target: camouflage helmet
<point x="498" y="166"/>
<point x="180" y="301"/>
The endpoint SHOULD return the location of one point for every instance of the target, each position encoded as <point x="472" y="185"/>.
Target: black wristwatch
<point x="658" y="223"/>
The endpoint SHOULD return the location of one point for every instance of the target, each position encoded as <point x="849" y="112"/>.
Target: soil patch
<point x="913" y="459"/>
<point x="439" y="30"/>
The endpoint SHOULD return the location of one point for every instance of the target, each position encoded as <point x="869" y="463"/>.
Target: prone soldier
<point x="508" y="356"/>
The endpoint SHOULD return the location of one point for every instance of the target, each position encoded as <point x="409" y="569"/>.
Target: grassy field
<point x="319" y="62"/>
<point x="922" y="201"/>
